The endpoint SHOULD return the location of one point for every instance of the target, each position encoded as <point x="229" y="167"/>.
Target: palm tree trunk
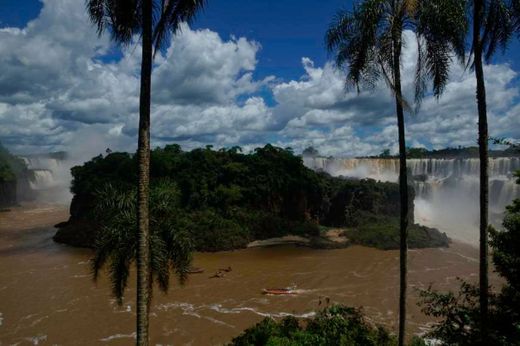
<point x="403" y="189"/>
<point x="478" y="9"/>
<point x="143" y="157"/>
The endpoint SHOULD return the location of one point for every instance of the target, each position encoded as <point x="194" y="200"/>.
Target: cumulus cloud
<point x="62" y="86"/>
<point x="311" y="111"/>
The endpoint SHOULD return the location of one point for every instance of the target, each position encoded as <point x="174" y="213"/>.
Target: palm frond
<point x="165" y="197"/>
<point x="339" y="30"/>
<point x="116" y="243"/>
<point x="498" y="27"/>
<point x="352" y="36"/>
<point x="96" y="11"/>
<point x="119" y="272"/>
<point x="420" y="73"/>
<point x="181" y="248"/>
<point x="441" y="29"/>
<point x="172" y="14"/>
<point x="160" y="261"/>
<point x="516" y="16"/>
<point x="121" y="17"/>
<point x="101" y="254"/>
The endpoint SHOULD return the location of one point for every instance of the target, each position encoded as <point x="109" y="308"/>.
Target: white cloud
<point x="199" y="67"/>
<point x="57" y="90"/>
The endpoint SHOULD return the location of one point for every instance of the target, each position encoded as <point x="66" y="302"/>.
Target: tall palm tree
<point x="493" y="26"/>
<point x="367" y="42"/>
<point x="154" y="20"/>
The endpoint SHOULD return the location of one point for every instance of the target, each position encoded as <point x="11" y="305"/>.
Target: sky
<point x="243" y="73"/>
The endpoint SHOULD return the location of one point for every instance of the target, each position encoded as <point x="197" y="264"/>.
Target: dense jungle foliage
<point x="227" y="199"/>
<point x="335" y="325"/>
<point x="10" y="165"/>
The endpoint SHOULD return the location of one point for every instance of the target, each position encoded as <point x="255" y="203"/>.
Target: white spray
<point x="446" y="190"/>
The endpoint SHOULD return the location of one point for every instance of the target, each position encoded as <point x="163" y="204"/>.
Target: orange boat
<point x="278" y="291"/>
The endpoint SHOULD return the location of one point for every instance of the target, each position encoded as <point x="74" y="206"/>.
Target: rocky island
<point x="225" y="199"/>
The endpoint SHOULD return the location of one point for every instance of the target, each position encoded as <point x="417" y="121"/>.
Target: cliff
<point x="7" y="193"/>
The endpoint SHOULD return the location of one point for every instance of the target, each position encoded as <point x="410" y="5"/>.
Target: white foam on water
<point x="219" y="308"/>
<point x="195" y="311"/>
<point x="191" y="310"/>
<point x="35" y="340"/>
<point x="35" y="322"/>
<point x="468" y="258"/>
<point x="118" y="336"/>
<point x="77" y="276"/>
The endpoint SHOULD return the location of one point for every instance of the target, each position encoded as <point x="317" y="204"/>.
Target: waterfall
<point x="447" y="190"/>
<point x="42" y="179"/>
<point x="43" y="169"/>
<point x="50" y="178"/>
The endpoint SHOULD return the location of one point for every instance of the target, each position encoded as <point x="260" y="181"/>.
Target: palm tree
<point x="117" y="244"/>
<point x="368" y="41"/>
<point x="493" y="26"/>
<point x="154" y="20"/>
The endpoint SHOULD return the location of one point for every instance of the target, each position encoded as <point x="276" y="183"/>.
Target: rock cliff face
<point x="79" y="230"/>
<point x="360" y="196"/>
<point x="7" y="193"/>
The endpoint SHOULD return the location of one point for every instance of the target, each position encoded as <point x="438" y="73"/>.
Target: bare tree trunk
<point x="478" y="9"/>
<point x="143" y="159"/>
<point x="403" y="190"/>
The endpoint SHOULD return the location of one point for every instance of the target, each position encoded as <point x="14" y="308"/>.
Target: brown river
<point x="47" y="296"/>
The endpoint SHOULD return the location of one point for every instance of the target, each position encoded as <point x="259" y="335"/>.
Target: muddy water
<point x="47" y="296"/>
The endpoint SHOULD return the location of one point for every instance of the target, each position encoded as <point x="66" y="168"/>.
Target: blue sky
<point x="286" y="29"/>
<point x="278" y="84"/>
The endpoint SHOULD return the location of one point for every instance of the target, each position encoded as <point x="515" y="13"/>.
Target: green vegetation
<point x="13" y="175"/>
<point x="227" y="199"/>
<point x="335" y="325"/>
<point x="460" y="312"/>
<point x="10" y="166"/>
<point x="385" y="154"/>
<point x="116" y="245"/>
<point x="310" y="151"/>
<point x="383" y="233"/>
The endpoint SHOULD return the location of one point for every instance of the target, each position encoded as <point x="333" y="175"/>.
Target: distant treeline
<point x="450" y="153"/>
<point x="225" y="198"/>
<point x="423" y="153"/>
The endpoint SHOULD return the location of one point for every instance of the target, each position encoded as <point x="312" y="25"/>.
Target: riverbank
<point x="48" y="295"/>
<point x="334" y="238"/>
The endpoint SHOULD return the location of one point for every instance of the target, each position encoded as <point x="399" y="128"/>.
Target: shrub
<point x="335" y="325"/>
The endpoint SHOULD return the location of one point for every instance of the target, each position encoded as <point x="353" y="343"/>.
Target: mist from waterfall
<point x="446" y="190"/>
<point x="50" y="178"/>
